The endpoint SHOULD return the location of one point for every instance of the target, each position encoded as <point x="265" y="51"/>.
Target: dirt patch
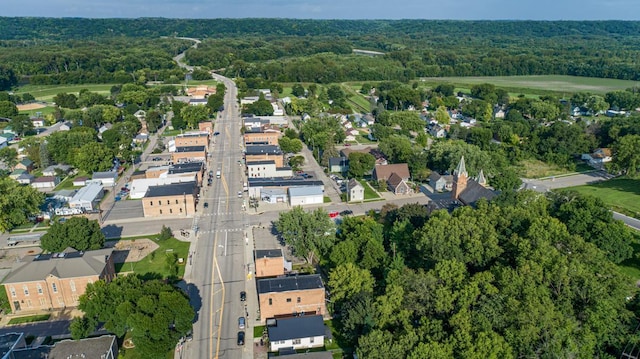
<point x="30" y="106"/>
<point x="131" y="250"/>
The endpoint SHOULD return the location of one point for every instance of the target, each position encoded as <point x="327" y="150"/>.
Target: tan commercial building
<point x="269" y="263"/>
<point x="185" y="169"/>
<point x="261" y="138"/>
<point x="56" y="281"/>
<point x="264" y="153"/>
<point x="192" y="139"/>
<point x="172" y="200"/>
<point x="290" y="296"/>
<point x="189" y="154"/>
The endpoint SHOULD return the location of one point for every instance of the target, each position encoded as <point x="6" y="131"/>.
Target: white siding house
<point x="297" y="332"/>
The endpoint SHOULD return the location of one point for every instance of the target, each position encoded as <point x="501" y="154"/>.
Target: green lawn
<point x="4" y="301"/>
<point x="326" y="199"/>
<point x="556" y="83"/>
<point x="369" y="193"/>
<point x="258" y="330"/>
<point x="30" y="319"/>
<point x="47" y="92"/>
<point x="631" y="266"/>
<point x="364" y="140"/>
<point x="538" y="169"/>
<point x="169" y="133"/>
<point x="156" y="261"/>
<point x="67" y="183"/>
<point x="621" y="194"/>
<point x="44" y="111"/>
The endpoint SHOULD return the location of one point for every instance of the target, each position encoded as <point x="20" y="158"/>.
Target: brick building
<point x="269" y="137"/>
<point x="289" y="296"/>
<point x="264" y="153"/>
<point x="182" y="169"/>
<point x="56" y="281"/>
<point x="189" y="154"/>
<point x="192" y="139"/>
<point x="269" y="263"/>
<point x="176" y="199"/>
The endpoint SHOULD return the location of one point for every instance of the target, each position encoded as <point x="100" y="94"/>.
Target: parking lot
<point x="125" y="209"/>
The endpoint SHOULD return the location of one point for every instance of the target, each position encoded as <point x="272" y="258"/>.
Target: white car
<point x="239" y="194"/>
<point x="241" y="323"/>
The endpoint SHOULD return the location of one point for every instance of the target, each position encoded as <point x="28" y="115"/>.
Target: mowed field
<point x="556" y="83"/>
<point x="621" y="194"/>
<point x="47" y="92"/>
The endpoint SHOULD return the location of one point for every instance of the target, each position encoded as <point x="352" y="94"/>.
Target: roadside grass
<point x="47" y="92"/>
<point x="326" y="199"/>
<point x="369" y="193"/>
<point x="620" y="194"/>
<point x="631" y="266"/>
<point x="67" y="183"/>
<point x="169" y="133"/>
<point x="362" y="139"/>
<point x="258" y="330"/>
<point x="156" y="262"/>
<point x="30" y="319"/>
<point x="538" y="85"/>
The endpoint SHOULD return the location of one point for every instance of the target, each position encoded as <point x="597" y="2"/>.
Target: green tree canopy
<point x="360" y="164"/>
<point x="17" y="203"/>
<point x="78" y="233"/>
<point x="290" y="145"/>
<point x="310" y="234"/>
<point x="93" y="157"/>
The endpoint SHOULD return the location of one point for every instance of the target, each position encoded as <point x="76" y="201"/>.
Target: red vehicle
<point x="334" y="214"/>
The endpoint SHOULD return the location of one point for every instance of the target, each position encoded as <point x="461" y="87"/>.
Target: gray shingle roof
<point x="268" y="253"/>
<point x="296" y="328"/>
<point x="190" y="149"/>
<point x="74" y="264"/>
<point x="84" y="348"/>
<point x="474" y="191"/>
<point x="261" y="149"/>
<point x="287" y="284"/>
<point x="173" y="189"/>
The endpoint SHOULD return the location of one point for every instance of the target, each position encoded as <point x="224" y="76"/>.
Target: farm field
<point x="555" y="83"/>
<point x="47" y="92"/>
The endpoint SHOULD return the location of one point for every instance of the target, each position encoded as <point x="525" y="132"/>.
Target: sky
<point x="331" y="9"/>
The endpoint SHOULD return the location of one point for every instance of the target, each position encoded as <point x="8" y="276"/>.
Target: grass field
<point x="47" y="92"/>
<point x="621" y="194"/>
<point x="554" y="83"/>
<point x="631" y="266"/>
<point x="156" y="263"/>
<point x="30" y="319"/>
<point x="369" y="193"/>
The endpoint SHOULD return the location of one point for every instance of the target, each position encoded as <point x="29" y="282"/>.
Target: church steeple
<point x="481" y="179"/>
<point x="460" y="177"/>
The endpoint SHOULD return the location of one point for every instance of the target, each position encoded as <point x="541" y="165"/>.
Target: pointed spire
<point x="481" y="179"/>
<point x="461" y="169"/>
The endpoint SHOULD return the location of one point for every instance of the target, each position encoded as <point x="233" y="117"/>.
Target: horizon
<point x="491" y="10"/>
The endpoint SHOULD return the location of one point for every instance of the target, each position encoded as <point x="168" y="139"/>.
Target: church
<point x="467" y="190"/>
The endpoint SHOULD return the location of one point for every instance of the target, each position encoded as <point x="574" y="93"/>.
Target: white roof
<point x="140" y="186"/>
<point x="305" y="191"/>
<point x="87" y="193"/>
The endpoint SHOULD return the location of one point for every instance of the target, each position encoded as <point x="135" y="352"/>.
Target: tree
<point x="17" y="203"/>
<point x="66" y="100"/>
<point x="347" y="280"/>
<point x="289" y="145"/>
<point x="154" y="314"/>
<point x="360" y="164"/>
<point x="442" y="116"/>
<point x="8" y="109"/>
<point x="296" y="162"/>
<point x="21" y="124"/>
<point x="309" y="234"/>
<point x="194" y="114"/>
<point x="215" y="102"/>
<point x="291" y="133"/>
<point x="8" y="78"/>
<point x="93" y="157"/>
<point x="78" y="233"/>
<point x="626" y="156"/>
<point x="597" y="104"/>
<point x="445" y="89"/>
<point x="165" y="233"/>
<point x="297" y="90"/>
<point x="262" y="107"/>
<point x="9" y="156"/>
<point x="43" y="155"/>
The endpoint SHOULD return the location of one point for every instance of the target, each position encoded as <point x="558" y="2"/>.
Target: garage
<point x="301" y="196"/>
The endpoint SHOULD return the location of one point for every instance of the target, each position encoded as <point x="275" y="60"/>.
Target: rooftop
<point x="191" y="149"/>
<point x="287" y="284"/>
<point x="100" y="175"/>
<point x="268" y="253"/>
<point x="173" y="189"/>
<point x="261" y="149"/>
<point x="296" y="328"/>
<point x="8" y="341"/>
<point x="88" y="193"/>
<point x="255" y="163"/>
<point x="282" y="182"/>
<point x="61" y="265"/>
<point x="70" y="349"/>
<point x="305" y="191"/>
<point x="186" y="167"/>
<point x="45" y="179"/>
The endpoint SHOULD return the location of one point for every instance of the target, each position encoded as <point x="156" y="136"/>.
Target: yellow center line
<point x="217" y="267"/>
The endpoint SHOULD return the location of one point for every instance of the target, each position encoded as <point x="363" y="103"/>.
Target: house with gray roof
<point x="87" y="198"/>
<point x="303" y="332"/>
<point x="103" y="347"/>
<point x="56" y="280"/>
<point x="107" y="179"/>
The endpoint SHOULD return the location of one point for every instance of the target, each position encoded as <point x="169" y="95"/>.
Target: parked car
<point x="216" y="133"/>
<point x="346" y="212"/>
<point x="206" y="205"/>
<point x="347" y="144"/>
<point x="239" y="194"/>
<point x="241" y="323"/>
<point x="240" y="338"/>
<point x="243" y="296"/>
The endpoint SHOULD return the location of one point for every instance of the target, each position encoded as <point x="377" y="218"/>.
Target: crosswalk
<point x="222" y="214"/>
<point x="222" y="230"/>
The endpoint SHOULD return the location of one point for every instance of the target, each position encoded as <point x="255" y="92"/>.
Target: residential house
<point x="397" y="185"/>
<point x="351" y="135"/>
<point x="440" y="183"/>
<point x="25" y="164"/>
<point x="267" y="169"/>
<point x="8" y="130"/>
<point x="437" y="131"/>
<point x="264" y="153"/>
<point x="355" y="190"/>
<point x="379" y="156"/>
<point x="300" y="196"/>
<point x="468" y="190"/>
<point x="107" y="179"/>
<point x="37" y="122"/>
<point x="25" y="178"/>
<point x="384" y="172"/>
<point x="45" y="183"/>
<point x="141" y="138"/>
<point x="304" y="332"/>
<point x="269" y="263"/>
<point x="105" y="127"/>
<point x="201" y="91"/>
<point x="103" y="347"/>
<point x="599" y="157"/>
<point x="197" y="102"/>
<point x="54" y="170"/>
<point x="87" y="198"/>
<point x="80" y="181"/>
<point x="287" y="354"/>
<point x="176" y="199"/>
<point x="189" y="154"/>
<point x="66" y="126"/>
<point x="17" y="173"/>
<point x="338" y="164"/>
<point x="56" y="280"/>
<point x="140" y="115"/>
<point x="287" y="296"/>
<point x="3" y="142"/>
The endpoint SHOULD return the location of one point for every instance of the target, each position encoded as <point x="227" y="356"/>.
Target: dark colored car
<point x="346" y="212"/>
<point x="216" y="133"/>
<point x="240" y="338"/>
<point x="206" y="205"/>
<point x="243" y="296"/>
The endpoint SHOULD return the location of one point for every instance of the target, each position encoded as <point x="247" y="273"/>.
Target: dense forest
<point x="54" y="50"/>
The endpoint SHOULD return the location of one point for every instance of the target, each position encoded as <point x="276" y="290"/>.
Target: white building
<point x="355" y="191"/>
<point x="300" y="196"/>
<point x="3" y="142"/>
<point x="302" y="332"/>
<point x="267" y="169"/>
<point x="108" y="179"/>
<point x="87" y="198"/>
<point x="140" y="186"/>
